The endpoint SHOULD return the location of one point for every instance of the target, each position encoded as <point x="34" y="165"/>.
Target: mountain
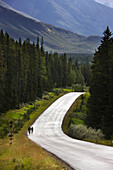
<point x="86" y="17"/>
<point x="19" y="12"/>
<point x="108" y="3"/>
<point x="55" y="38"/>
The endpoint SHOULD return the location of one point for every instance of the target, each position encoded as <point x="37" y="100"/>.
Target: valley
<point x="55" y="39"/>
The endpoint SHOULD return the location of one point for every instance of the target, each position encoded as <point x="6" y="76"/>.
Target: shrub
<point x="78" y="88"/>
<point x="3" y="132"/>
<point x="3" y="128"/>
<point x="82" y="132"/>
<point x="57" y="91"/>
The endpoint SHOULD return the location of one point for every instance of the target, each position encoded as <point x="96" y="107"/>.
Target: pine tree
<point x="49" y="72"/>
<point x="9" y="74"/>
<point x="71" y="73"/>
<point x="55" y="69"/>
<point x="25" y="57"/>
<point x="2" y="81"/>
<point x="37" y="45"/>
<point x="85" y="69"/>
<point x="42" y="45"/>
<point x="41" y="71"/>
<point x="99" y="113"/>
<point x="65" y="71"/>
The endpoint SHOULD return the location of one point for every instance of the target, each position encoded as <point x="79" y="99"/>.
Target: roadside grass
<point x="23" y="153"/>
<point x="75" y="117"/>
<point x="67" y="118"/>
<point x="77" y="121"/>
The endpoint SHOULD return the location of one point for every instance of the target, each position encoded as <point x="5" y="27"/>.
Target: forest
<point x="26" y="71"/>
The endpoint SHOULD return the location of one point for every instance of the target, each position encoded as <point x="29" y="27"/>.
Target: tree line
<point x="26" y="71"/>
<point x="100" y="103"/>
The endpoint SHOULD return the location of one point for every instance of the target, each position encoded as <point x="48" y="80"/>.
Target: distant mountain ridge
<point x="108" y="3"/>
<point x="3" y="4"/>
<point x="85" y="17"/>
<point x="55" y="39"/>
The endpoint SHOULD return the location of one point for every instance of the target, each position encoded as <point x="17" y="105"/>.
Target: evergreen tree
<point x="25" y="56"/>
<point x="71" y="73"/>
<point x="42" y="45"/>
<point x="55" y="69"/>
<point x="37" y="45"/>
<point x="100" y="102"/>
<point x="85" y="69"/>
<point x="49" y="73"/>
<point x="41" y="73"/>
<point x="65" y="71"/>
<point x="2" y="81"/>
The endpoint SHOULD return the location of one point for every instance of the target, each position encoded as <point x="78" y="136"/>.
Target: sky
<point x="106" y="2"/>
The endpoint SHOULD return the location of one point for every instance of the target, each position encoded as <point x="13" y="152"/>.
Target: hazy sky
<point x="106" y="2"/>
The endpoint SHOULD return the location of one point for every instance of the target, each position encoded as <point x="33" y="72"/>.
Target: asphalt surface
<point x="78" y="154"/>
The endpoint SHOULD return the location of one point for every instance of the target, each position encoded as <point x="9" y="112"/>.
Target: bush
<point x="3" y="128"/>
<point x="82" y="132"/>
<point x="45" y="97"/>
<point x="78" y="88"/>
<point x="57" y="91"/>
<point x="78" y="115"/>
<point x="3" y="132"/>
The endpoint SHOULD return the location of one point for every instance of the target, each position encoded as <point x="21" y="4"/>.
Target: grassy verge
<point x="74" y="125"/>
<point x="24" y="154"/>
<point x="67" y="119"/>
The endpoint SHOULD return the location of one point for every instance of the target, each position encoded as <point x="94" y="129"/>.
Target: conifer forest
<point x="26" y="71"/>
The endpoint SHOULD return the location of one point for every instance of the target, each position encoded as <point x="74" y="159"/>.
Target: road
<point x="78" y="154"/>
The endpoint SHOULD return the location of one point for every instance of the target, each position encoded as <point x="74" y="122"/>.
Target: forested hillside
<point x="26" y="71"/>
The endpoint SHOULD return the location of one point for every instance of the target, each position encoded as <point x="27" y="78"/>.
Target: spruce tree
<point x="2" y="81"/>
<point x="37" y="45"/>
<point x="69" y="71"/>
<point x="65" y="71"/>
<point x="49" y="71"/>
<point x="42" y="45"/>
<point x="99" y="113"/>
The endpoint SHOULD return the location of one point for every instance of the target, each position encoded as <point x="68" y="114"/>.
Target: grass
<point x="19" y="113"/>
<point x="24" y="154"/>
<point x="67" y="118"/>
<point x="77" y="121"/>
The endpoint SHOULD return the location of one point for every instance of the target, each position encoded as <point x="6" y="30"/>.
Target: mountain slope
<point x="108" y="3"/>
<point x="86" y="17"/>
<point x="55" y="39"/>
<point x="3" y="4"/>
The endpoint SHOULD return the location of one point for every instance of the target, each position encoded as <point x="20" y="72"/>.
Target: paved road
<point x="78" y="154"/>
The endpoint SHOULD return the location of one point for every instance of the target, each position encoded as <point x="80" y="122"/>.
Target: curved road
<point x="78" y="154"/>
